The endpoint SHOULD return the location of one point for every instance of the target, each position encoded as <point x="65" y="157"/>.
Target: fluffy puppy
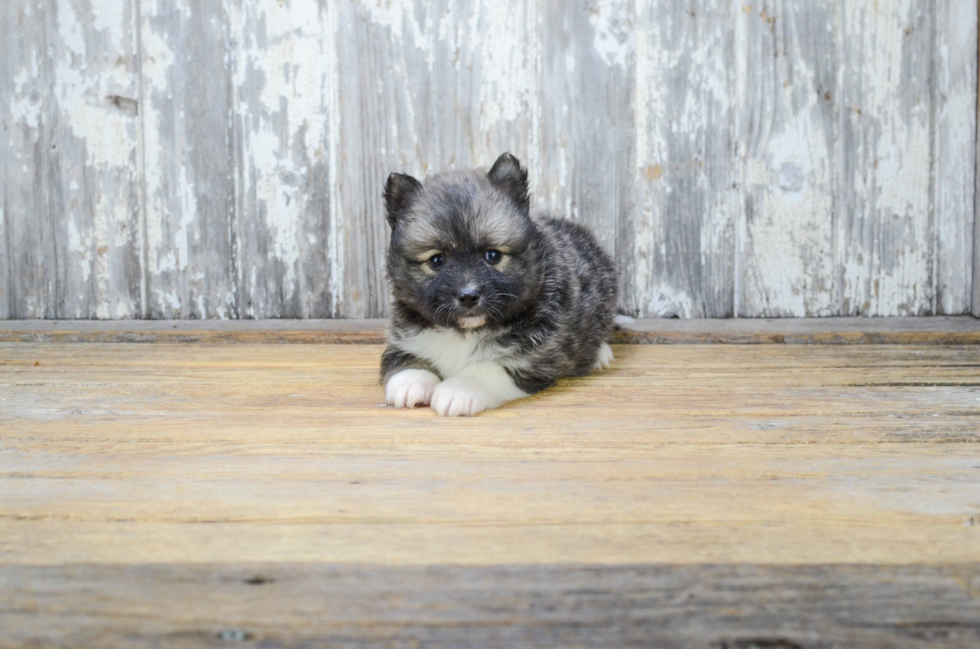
<point x="489" y="304"/>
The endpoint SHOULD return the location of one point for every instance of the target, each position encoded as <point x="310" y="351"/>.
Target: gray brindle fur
<point x="490" y="304"/>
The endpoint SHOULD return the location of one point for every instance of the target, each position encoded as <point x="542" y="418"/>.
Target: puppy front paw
<point x="604" y="358"/>
<point x="457" y="397"/>
<point x="410" y="388"/>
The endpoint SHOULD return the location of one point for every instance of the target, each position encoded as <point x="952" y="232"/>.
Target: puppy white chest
<point x="449" y="351"/>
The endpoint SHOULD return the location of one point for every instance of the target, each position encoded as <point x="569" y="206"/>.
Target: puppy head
<point x="464" y="252"/>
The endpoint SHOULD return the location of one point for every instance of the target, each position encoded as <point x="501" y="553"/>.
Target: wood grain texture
<point x="687" y="171"/>
<point x="682" y="454"/>
<point x="723" y="496"/>
<point x="787" y="84"/>
<point x="586" y="133"/>
<point x="69" y="187"/>
<point x="787" y="137"/>
<point x="856" y="139"/>
<point x="188" y="159"/>
<point x="286" y="121"/>
<point x="424" y="87"/>
<point x="241" y="220"/>
<point x="976" y="216"/>
<point x="887" y="231"/>
<point x="307" y="605"/>
<point x="954" y="88"/>
<point x="940" y="330"/>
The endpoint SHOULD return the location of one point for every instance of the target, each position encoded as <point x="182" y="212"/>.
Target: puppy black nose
<point x="468" y="297"/>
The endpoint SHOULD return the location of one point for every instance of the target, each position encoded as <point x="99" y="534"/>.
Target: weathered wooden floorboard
<point x="304" y="605"/>
<point x="710" y="496"/>
<point x="774" y="454"/>
<point x="940" y="330"/>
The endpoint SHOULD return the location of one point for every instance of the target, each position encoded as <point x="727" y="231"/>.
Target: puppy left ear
<point x="507" y="175"/>
<point x="399" y="192"/>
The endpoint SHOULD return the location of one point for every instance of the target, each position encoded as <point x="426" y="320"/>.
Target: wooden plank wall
<point x="976" y="224"/>
<point x="69" y="160"/>
<point x="199" y="159"/>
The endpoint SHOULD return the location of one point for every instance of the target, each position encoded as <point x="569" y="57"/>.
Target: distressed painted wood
<point x="886" y="230"/>
<point x="954" y="73"/>
<point x="584" y="150"/>
<point x="788" y="82"/>
<point x="857" y="192"/>
<point x="286" y="120"/>
<point x="69" y="187"/>
<point x="686" y="168"/>
<point x="240" y="161"/>
<point x="190" y="159"/>
<point x="424" y="86"/>
<point x="299" y="605"/>
<point x="976" y="216"/>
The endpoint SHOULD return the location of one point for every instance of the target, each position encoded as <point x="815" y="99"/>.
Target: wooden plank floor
<point x="932" y="330"/>
<point x="695" y="495"/>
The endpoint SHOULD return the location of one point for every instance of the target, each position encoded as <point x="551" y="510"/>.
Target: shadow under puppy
<point x="490" y="304"/>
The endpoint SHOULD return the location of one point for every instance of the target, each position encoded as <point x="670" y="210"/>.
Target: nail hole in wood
<point x="234" y="635"/>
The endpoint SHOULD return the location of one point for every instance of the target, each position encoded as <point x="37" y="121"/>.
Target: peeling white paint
<point x="290" y="108"/>
<point x="82" y="250"/>
<point x="157" y="63"/>
<point x="666" y="301"/>
<point x="393" y="14"/>
<point x="614" y="34"/>
<point x="109" y="17"/>
<point x="792" y="257"/>
<point x="504" y="78"/>
<point x="643" y="102"/>
<point x="331" y="94"/>
<point x="673" y="133"/>
<point x="171" y="299"/>
<point x="888" y="268"/>
<point x="188" y="218"/>
<point x="906" y="249"/>
<point x="82" y="96"/>
<point x="955" y="180"/>
<point x="25" y="106"/>
<point x="95" y="144"/>
<point x="72" y="32"/>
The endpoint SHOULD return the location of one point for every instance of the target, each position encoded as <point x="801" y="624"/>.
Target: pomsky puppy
<point x="489" y="304"/>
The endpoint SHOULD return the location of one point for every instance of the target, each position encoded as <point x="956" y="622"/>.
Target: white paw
<point x="410" y="388"/>
<point x="457" y="397"/>
<point x="605" y="357"/>
<point x="621" y="321"/>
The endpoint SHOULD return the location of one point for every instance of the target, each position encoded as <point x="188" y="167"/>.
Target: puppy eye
<point x="436" y="261"/>
<point x="492" y="256"/>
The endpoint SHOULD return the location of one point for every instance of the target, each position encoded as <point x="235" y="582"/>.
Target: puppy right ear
<point x="399" y="192"/>
<point x="507" y="175"/>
